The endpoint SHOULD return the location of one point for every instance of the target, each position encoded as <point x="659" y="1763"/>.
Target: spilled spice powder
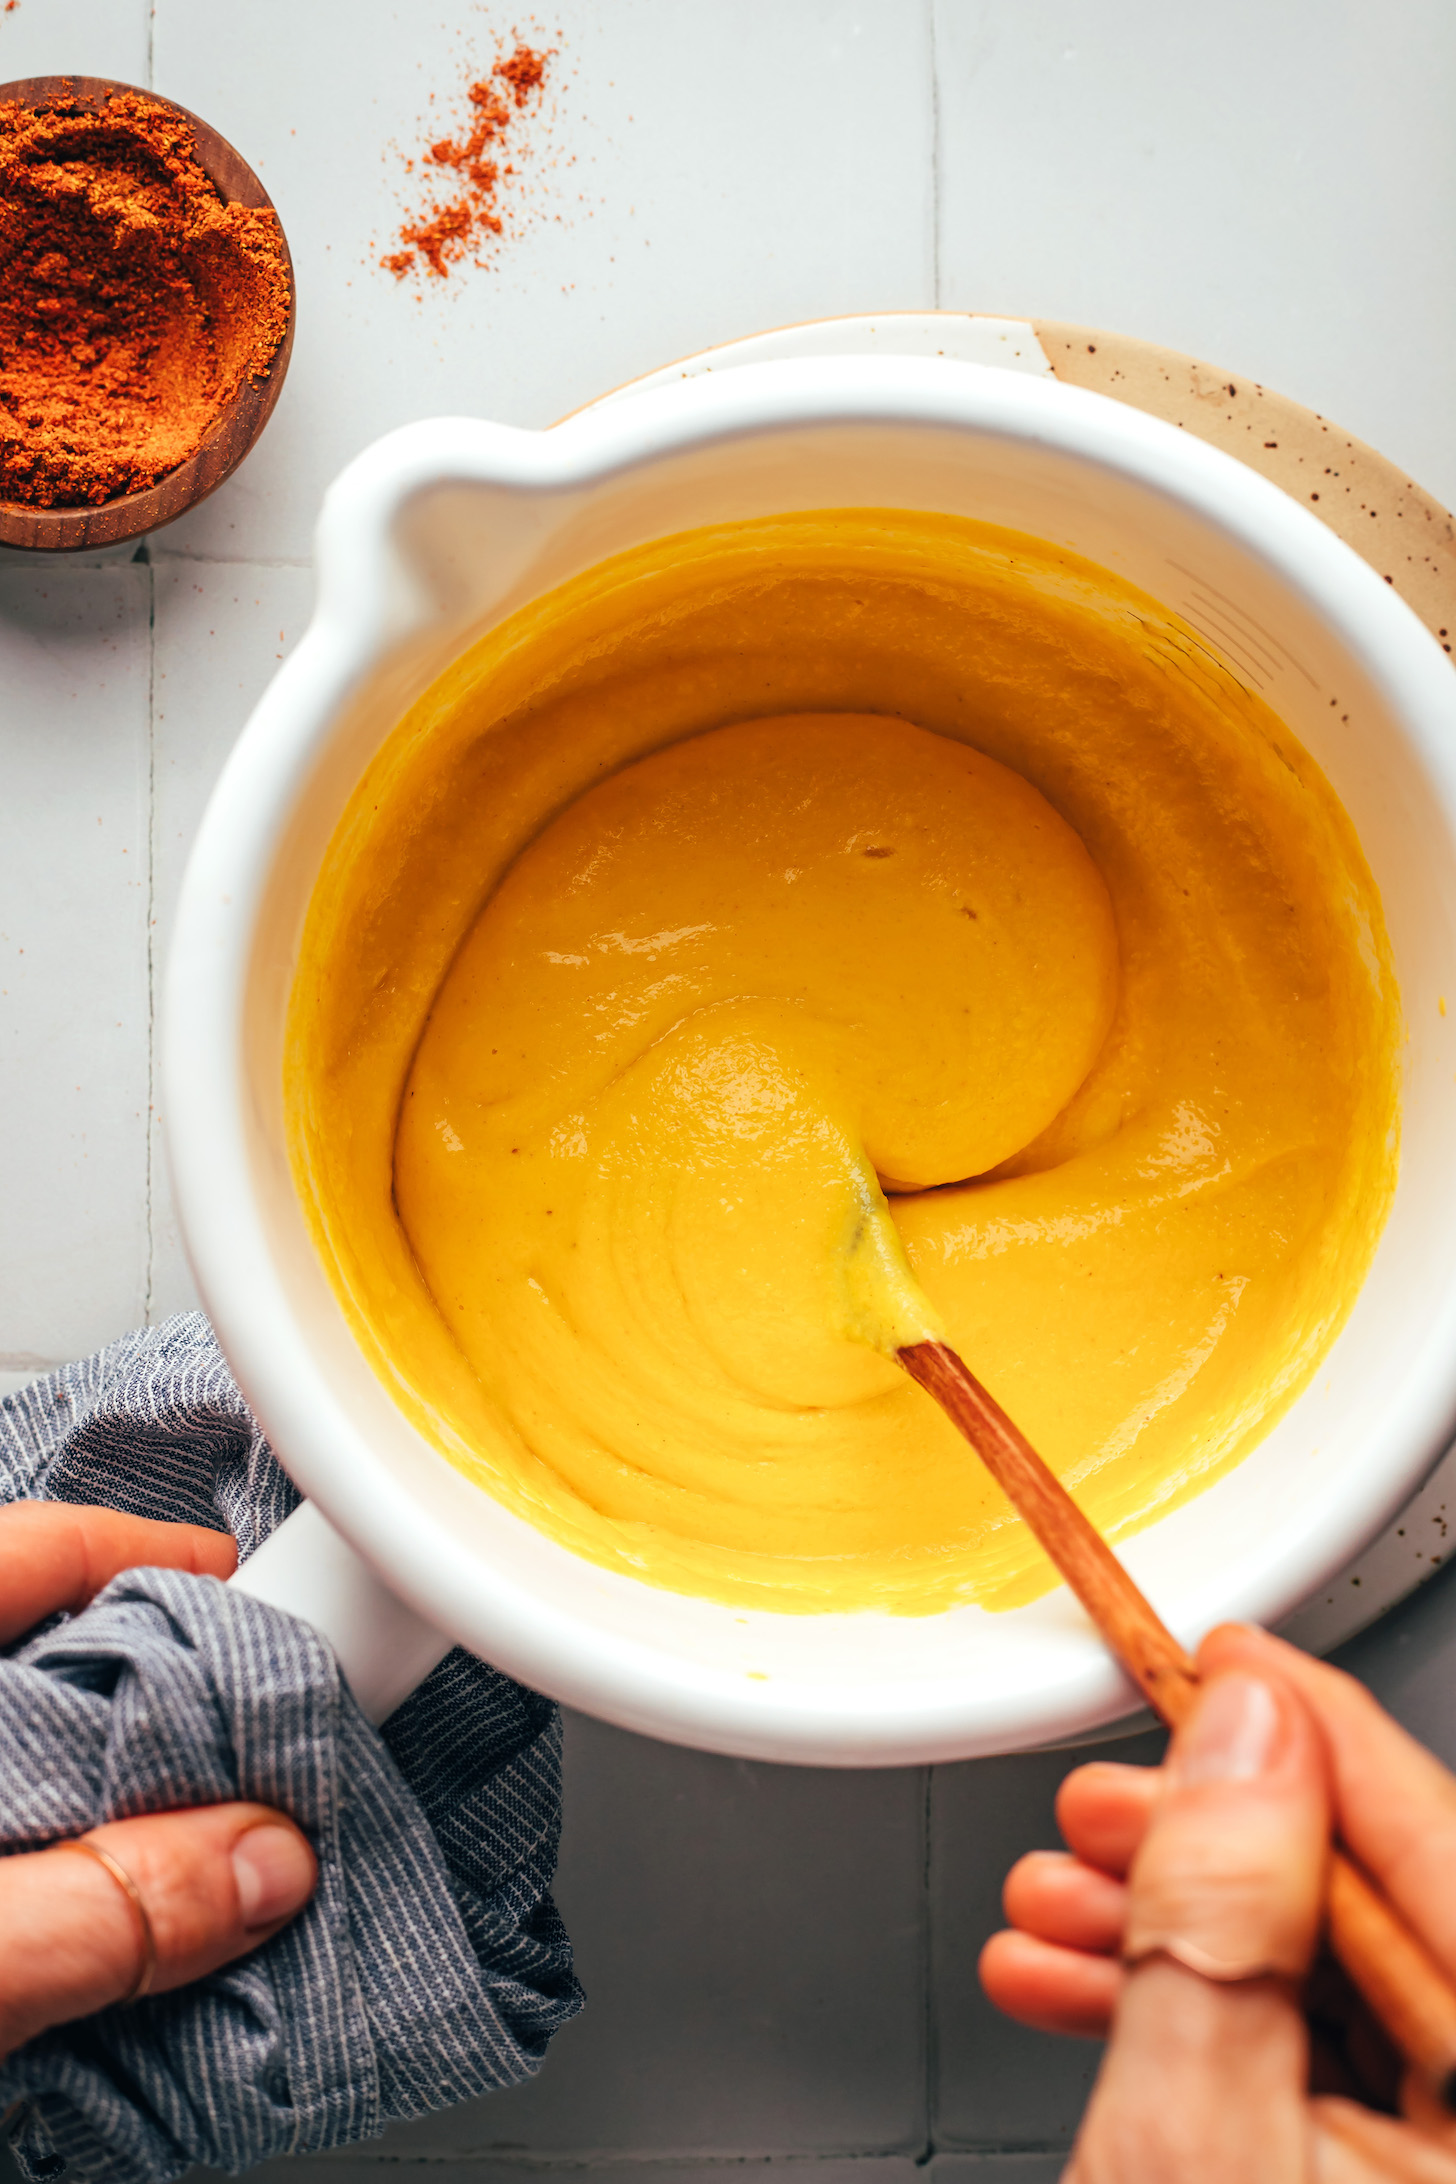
<point x="134" y="303"/>
<point x="446" y="230"/>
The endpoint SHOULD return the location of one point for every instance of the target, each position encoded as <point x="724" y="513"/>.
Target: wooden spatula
<point x="1408" y="1991"/>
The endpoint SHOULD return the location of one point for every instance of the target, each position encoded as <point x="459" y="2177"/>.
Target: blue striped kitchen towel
<point x="430" y="1965"/>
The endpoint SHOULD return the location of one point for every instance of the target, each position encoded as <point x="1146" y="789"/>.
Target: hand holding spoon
<point x="1404" y="1986"/>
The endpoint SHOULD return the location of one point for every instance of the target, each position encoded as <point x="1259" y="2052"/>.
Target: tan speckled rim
<point x="1405" y="535"/>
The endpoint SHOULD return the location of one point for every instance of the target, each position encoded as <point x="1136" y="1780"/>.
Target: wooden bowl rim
<point x="131" y="515"/>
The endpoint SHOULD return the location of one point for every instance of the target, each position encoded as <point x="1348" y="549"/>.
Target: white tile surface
<point x="735" y="166"/>
<point x="996" y="2085"/>
<point x="76" y="37"/>
<point x="221" y="631"/>
<point x="74" y="1009"/>
<point x="1272" y="188"/>
<point x="751" y="1941"/>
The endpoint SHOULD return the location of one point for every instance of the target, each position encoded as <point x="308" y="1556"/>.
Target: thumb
<point x="1205" y="2075"/>
<point x="193" y="1891"/>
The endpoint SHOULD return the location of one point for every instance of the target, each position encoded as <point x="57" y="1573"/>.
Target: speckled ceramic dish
<point x="439" y="531"/>
<point x="1405" y="535"/>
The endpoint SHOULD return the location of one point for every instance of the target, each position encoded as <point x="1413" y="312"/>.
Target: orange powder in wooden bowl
<point x="135" y="303"/>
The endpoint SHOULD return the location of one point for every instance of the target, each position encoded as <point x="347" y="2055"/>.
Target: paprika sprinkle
<point x="447" y="230"/>
<point x="134" y="303"/>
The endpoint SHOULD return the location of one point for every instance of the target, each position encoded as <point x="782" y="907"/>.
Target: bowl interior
<point x="480" y="521"/>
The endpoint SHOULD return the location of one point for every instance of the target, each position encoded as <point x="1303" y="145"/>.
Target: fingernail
<point x="1235" y="1734"/>
<point x="274" y="1873"/>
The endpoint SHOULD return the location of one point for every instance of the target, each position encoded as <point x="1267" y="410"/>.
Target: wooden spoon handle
<point x="1147" y="1649"/>
<point x="1409" y="1992"/>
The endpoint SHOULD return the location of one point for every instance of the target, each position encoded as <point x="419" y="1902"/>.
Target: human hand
<point x="212" y="1884"/>
<point x="1218" y="1858"/>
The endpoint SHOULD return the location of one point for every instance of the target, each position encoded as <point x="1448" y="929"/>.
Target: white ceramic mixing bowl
<point x="442" y="529"/>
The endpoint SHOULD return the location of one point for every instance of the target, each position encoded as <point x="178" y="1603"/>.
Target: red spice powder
<point x="134" y="303"/>
<point x="446" y="230"/>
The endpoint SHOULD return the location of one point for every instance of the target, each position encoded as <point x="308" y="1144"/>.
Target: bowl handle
<point x="383" y="1648"/>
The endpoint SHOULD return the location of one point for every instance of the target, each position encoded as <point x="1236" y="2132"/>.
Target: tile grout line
<point x="599" y="2163"/>
<point x="577" y="2163"/>
<point x="235" y="561"/>
<point x="151" y="917"/>
<point x="934" y="157"/>
<point x="928" y="2029"/>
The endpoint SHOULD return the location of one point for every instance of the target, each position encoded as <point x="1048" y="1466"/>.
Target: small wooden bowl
<point x="70" y="530"/>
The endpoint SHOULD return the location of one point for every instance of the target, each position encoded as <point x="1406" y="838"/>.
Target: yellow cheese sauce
<point x="794" y="938"/>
